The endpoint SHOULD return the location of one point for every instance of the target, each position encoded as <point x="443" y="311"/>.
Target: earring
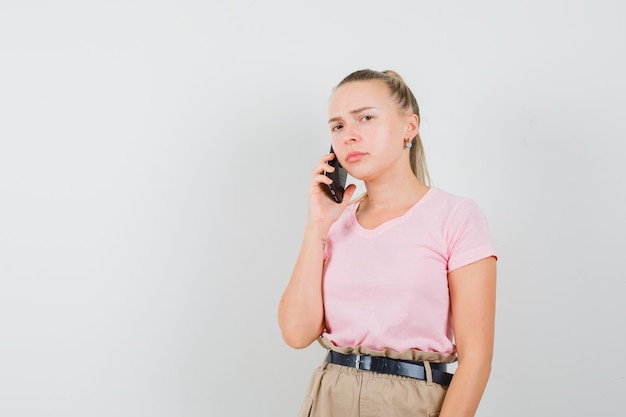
<point x="408" y="143"/>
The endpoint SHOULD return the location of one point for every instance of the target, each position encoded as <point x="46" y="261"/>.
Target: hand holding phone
<point x="339" y="176"/>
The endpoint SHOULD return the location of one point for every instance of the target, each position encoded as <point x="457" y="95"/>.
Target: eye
<point x="335" y="128"/>
<point x="367" y="117"/>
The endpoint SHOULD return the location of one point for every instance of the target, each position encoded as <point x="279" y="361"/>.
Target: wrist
<point x="315" y="231"/>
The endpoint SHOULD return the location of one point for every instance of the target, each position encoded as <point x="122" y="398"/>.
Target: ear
<point x="412" y="126"/>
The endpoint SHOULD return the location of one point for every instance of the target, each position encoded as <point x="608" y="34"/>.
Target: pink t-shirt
<point x="387" y="288"/>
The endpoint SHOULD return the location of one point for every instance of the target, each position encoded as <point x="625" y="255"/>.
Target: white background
<point x="154" y="161"/>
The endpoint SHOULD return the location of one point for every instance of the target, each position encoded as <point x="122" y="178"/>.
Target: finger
<point x="322" y="179"/>
<point x="327" y="157"/>
<point x="327" y="168"/>
<point x="323" y="166"/>
<point x="325" y="162"/>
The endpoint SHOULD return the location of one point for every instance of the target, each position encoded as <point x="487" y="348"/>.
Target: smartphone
<point x="339" y="176"/>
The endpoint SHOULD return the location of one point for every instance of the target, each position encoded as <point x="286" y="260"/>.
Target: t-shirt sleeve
<point x="467" y="236"/>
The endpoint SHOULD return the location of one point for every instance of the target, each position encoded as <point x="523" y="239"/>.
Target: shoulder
<point x="455" y="210"/>
<point x="448" y="203"/>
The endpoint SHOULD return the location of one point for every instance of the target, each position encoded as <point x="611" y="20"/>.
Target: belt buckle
<point x="357" y="361"/>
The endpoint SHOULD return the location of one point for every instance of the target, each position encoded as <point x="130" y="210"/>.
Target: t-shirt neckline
<point x="391" y="222"/>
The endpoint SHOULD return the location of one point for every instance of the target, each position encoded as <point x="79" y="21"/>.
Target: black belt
<point x="384" y="365"/>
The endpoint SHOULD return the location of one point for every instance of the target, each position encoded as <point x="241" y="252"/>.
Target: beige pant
<point x="340" y="391"/>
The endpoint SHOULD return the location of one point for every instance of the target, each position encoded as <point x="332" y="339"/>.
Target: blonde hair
<point x="406" y="101"/>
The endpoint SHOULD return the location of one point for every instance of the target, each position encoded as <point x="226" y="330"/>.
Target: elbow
<point x="480" y="362"/>
<point x="297" y="343"/>
<point x="299" y="333"/>
<point x="298" y="338"/>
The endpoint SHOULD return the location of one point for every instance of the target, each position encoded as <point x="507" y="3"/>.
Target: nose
<point x="350" y="134"/>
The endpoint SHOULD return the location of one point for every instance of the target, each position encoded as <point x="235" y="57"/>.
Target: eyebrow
<point x="359" y="110"/>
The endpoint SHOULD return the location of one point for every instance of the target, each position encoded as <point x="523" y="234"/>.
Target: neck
<point x="394" y="191"/>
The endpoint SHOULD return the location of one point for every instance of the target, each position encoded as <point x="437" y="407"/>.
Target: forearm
<point x="467" y="387"/>
<point x="301" y="309"/>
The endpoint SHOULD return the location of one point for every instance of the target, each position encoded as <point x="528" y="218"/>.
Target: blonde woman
<point x="397" y="284"/>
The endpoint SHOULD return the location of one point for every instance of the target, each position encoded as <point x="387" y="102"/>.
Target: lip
<point x="355" y="156"/>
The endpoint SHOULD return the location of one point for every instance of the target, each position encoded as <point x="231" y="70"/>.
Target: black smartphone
<point x="339" y="176"/>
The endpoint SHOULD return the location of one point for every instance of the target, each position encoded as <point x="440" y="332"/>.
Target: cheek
<point x="390" y="137"/>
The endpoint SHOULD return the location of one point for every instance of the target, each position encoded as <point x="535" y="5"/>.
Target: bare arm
<point x="473" y="299"/>
<point x="301" y="308"/>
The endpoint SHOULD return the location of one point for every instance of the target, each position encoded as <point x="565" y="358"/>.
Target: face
<point x="368" y="129"/>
